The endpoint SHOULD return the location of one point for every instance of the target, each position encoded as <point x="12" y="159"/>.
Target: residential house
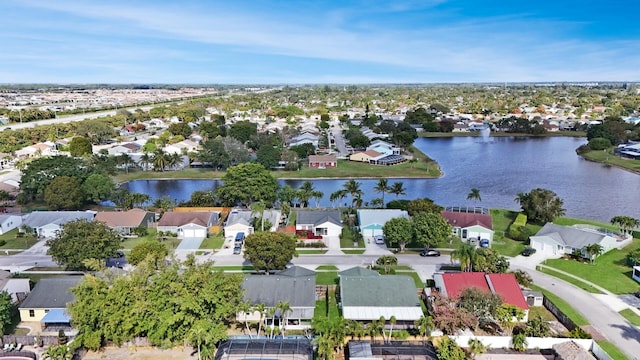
<point x="635" y="275"/>
<point x="127" y="130"/>
<point x="557" y="240"/>
<point x="452" y="285"/>
<point x="384" y="147"/>
<point x="325" y="222"/>
<point x="17" y="288"/>
<point x="372" y="220"/>
<point x="368" y="156"/>
<point x="188" y="224"/>
<point x="323" y="161"/>
<point x="47" y="224"/>
<point x="305" y="138"/>
<point x="280" y="348"/>
<point x="391" y="350"/>
<point x="48" y="301"/>
<point x="124" y="222"/>
<point x="365" y="295"/>
<point x="238" y="221"/>
<point x="295" y="286"/>
<point x="46" y="148"/>
<point x="183" y="147"/>
<point x="473" y="225"/>
<point x="9" y="222"/>
<point x="126" y="148"/>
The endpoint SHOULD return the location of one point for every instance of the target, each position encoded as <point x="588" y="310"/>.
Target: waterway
<point x="500" y="167"/>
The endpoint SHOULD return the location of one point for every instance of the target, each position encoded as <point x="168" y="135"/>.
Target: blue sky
<point x="289" y="41"/>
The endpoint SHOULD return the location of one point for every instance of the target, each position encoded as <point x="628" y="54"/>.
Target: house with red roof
<point x="473" y="225"/>
<point x="451" y="285"/>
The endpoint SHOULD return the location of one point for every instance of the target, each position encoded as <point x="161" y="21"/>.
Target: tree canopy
<point x="269" y="251"/>
<point x="246" y="183"/>
<point x="398" y="231"/>
<point x="154" y="250"/>
<point x="81" y="240"/>
<point x="541" y="205"/>
<point x="41" y="172"/>
<point x="64" y="193"/>
<point x="430" y="229"/>
<point x="80" y="146"/>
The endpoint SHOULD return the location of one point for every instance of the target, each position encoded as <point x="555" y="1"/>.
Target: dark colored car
<point x="430" y="252"/>
<point x="237" y="250"/>
<point x="637" y="294"/>
<point x="528" y="252"/>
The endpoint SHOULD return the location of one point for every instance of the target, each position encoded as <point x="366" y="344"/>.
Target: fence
<point x="599" y="352"/>
<point x="564" y="319"/>
<point x="29" y="340"/>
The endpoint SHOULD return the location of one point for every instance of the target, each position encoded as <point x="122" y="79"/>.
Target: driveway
<point x="371" y="248"/>
<point x="190" y="243"/>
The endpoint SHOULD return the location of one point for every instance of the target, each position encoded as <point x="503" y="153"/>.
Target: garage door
<point x="200" y="232"/>
<point x="189" y="233"/>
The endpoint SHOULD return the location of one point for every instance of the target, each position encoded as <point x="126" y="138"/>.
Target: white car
<point x="379" y="239"/>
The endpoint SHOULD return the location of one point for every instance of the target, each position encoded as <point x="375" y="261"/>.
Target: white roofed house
<point x="183" y="147"/>
<point x="556" y="240"/>
<point x="46" y="148"/>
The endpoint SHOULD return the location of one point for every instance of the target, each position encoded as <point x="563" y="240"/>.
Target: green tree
<point x="490" y="261"/>
<point x="268" y="156"/>
<point x="97" y="188"/>
<point x="64" y="193"/>
<point x="474" y="194"/>
<point x="202" y="198"/>
<point x="152" y="250"/>
<point x="246" y="183"/>
<point x="181" y="128"/>
<point x="537" y="327"/>
<point x="6" y="309"/>
<point x="481" y="304"/>
<point x="160" y="160"/>
<point x="398" y="231"/>
<point x="353" y="188"/>
<point x="519" y="342"/>
<point x="476" y="347"/>
<point x="424" y="325"/>
<point x="42" y="171"/>
<point x="508" y="315"/>
<point x="80" y="146"/>
<point x="423" y="205"/>
<point x="397" y="189"/>
<point x="541" y="205"/>
<point x="382" y="187"/>
<point x="80" y="240"/>
<point x="214" y="153"/>
<point x="58" y="352"/>
<point x="257" y="209"/>
<point x="449" y="350"/>
<point x="304" y="193"/>
<point x="126" y="161"/>
<point x="430" y="229"/>
<point x="243" y="130"/>
<point x="387" y="261"/>
<point x="466" y="256"/>
<point x="269" y="251"/>
<point x="523" y="278"/>
<point x="626" y="223"/>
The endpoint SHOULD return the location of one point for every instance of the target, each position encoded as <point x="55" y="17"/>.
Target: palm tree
<point x="474" y="194"/>
<point x="352" y="188"/>
<point x="198" y="334"/>
<point x="173" y="159"/>
<point x="284" y="310"/>
<point x="317" y="195"/>
<point x="424" y="325"/>
<point x="337" y="195"/>
<point x="246" y="308"/>
<point x="305" y="192"/>
<point x="126" y="160"/>
<point x="593" y="250"/>
<point x="146" y="160"/>
<point x="392" y="321"/>
<point x="397" y="188"/>
<point x="160" y="160"/>
<point x="466" y="255"/>
<point x="375" y="328"/>
<point x="271" y="312"/>
<point x="261" y="309"/>
<point x="626" y="223"/>
<point x="377" y="203"/>
<point x="519" y="342"/>
<point x="382" y="187"/>
<point x="258" y="208"/>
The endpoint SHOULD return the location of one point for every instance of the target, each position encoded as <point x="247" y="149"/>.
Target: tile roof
<point x="504" y="285"/>
<point x="201" y="218"/>
<point x="465" y="219"/>
<point x="129" y="218"/>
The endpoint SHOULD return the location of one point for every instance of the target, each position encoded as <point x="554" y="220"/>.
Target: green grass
<point x="15" y="242"/>
<point x="608" y="271"/>
<point x="612" y="350"/>
<point x="608" y="158"/>
<point x="501" y="219"/>
<point x="567" y="221"/>
<point x="327" y="267"/>
<point x="311" y="251"/>
<point x="581" y="284"/>
<point x="541" y="311"/>
<point x="574" y="315"/>
<point x="327" y="278"/>
<point x="353" y="252"/>
<point x="346" y="239"/>
<point x="130" y="243"/>
<point x="631" y="316"/>
<point x="215" y="241"/>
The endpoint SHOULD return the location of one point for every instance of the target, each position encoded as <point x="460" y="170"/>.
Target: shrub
<point x="3" y="242"/>
<point x="520" y="233"/>
<point x="599" y="143"/>
<point x="521" y="220"/>
<point x="400" y="335"/>
<point x="314" y="244"/>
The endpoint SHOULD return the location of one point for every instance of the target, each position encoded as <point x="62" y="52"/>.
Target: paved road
<point x="608" y="322"/>
<point x="70" y="118"/>
<point x="339" y="140"/>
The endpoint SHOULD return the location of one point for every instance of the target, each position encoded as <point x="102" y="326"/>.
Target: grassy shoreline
<point x="502" y="134"/>
<point x="607" y="158"/>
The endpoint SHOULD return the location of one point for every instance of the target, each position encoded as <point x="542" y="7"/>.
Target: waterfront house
<point x="371" y="221"/>
<point x="472" y="225"/>
<point x="556" y="240"/>
<point x="323" y="161"/>
<point x="322" y="222"/>
<point x="367" y="156"/>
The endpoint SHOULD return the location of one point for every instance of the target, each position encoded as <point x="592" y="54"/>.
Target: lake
<point x="500" y="167"/>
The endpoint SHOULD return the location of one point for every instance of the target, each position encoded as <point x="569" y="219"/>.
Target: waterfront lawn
<point x="608" y="158"/>
<point x="504" y="245"/>
<point x="609" y="270"/>
<point x="567" y="221"/>
<point x="631" y="316"/>
<point x="574" y="315"/>
<point x="13" y="241"/>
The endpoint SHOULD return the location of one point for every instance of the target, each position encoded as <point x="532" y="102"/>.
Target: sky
<point x="319" y="42"/>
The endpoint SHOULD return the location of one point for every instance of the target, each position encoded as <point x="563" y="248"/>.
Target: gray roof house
<point x="48" y="300"/>
<point x="47" y="224"/>
<point x="557" y="240"/>
<point x="296" y="286"/>
<point x="365" y="295"/>
<point x="238" y="221"/>
<point x="326" y="222"/>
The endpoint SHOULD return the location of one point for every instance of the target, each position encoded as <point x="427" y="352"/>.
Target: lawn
<point x="327" y="267"/>
<point x="130" y="243"/>
<point x="609" y="270"/>
<point x="214" y="241"/>
<point x="15" y="242"/>
<point x="581" y="284"/>
<point x="327" y="278"/>
<point x="541" y="311"/>
<point x="631" y="316"/>
<point x="607" y="157"/>
<point x="574" y="315"/>
<point x="567" y="221"/>
<point x="353" y="252"/>
<point x="612" y="350"/>
<point x="311" y="251"/>
<point x="346" y="239"/>
<point x="501" y="219"/>
<point x="327" y="307"/>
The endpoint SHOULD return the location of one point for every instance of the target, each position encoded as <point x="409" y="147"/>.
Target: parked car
<point x="528" y="251"/>
<point x="237" y="250"/>
<point x="379" y="239"/>
<point x="484" y="243"/>
<point x="637" y="294"/>
<point x="429" y="252"/>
